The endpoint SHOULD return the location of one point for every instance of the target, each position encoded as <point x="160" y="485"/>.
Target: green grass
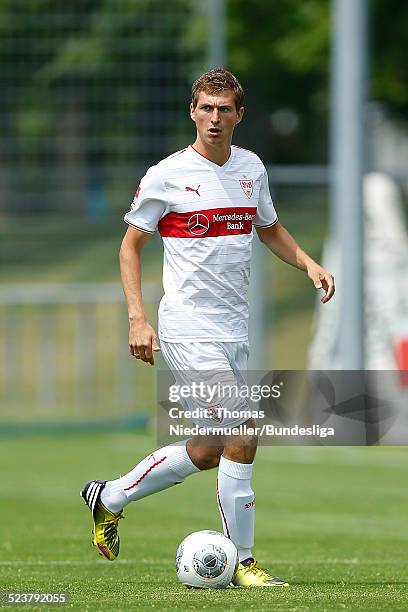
<point x="332" y="521"/>
<point x="51" y="250"/>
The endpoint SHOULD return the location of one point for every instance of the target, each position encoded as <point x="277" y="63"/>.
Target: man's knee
<point x="209" y="461"/>
<point x="242" y="448"/>
<point x="204" y="456"/>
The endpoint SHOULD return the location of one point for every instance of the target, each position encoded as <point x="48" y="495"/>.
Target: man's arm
<point x="281" y="243"/>
<point x="142" y="337"/>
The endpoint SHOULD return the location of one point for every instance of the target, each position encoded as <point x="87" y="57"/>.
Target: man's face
<point x="216" y="116"/>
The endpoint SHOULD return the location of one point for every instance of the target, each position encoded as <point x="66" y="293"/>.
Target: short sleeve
<point x="265" y="212"/>
<point x="149" y="203"/>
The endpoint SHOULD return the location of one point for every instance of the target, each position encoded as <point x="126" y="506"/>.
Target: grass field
<point x="332" y="521"/>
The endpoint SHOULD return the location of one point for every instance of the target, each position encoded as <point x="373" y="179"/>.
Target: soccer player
<point x="204" y="201"/>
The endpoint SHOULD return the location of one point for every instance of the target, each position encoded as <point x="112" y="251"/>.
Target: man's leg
<point x="234" y="493"/>
<point x="237" y="507"/>
<point x="205" y="451"/>
<point x="160" y="470"/>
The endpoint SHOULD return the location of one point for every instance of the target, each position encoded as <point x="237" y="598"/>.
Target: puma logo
<point x="192" y="189"/>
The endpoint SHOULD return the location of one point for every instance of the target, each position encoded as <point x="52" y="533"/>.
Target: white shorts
<point x="215" y="365"/>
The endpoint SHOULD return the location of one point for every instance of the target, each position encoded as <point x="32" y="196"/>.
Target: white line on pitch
<point x="74" y="562"/>
<point x="339" y="456"/>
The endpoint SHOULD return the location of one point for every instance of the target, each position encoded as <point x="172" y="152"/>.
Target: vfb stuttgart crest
<point x="215" y="413"/>
<point x="247" y="186"/>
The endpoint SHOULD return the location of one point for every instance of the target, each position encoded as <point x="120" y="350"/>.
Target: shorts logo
<point x="215" y="413"/>
<point x="198" y="224"/>
<point x="247" y="187"/>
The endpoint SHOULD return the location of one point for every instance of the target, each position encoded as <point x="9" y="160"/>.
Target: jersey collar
<point x="212" y="164"/>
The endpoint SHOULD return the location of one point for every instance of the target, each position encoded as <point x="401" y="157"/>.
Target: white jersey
<point x="204" y="213"/>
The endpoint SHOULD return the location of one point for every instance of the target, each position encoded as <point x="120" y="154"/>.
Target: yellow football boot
<point x="105" y="531"/>
<point x="252" y="575"/>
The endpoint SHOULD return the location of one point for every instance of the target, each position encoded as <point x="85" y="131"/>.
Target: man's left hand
<point x="322" y="279"/>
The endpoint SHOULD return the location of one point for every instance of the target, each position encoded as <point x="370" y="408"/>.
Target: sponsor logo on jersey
<point x="192" y="189"/>
<point x="208" y="223"/>
<point x="198" y="224"/>
<point x="247" y="186"/>
<point x="234" y="221"/>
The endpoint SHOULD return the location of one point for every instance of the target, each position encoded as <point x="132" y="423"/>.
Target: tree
<point x="281" y="51"/>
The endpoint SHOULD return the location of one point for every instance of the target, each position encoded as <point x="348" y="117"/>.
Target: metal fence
<point x="65" y="355"/>
<point x="92" y="94"/>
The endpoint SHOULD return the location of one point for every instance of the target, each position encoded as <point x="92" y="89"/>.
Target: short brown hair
<point x="213" y="82"/>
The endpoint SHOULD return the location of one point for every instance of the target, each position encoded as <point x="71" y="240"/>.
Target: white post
<point x="349" y="60"/>
<point x="216" y="34"/>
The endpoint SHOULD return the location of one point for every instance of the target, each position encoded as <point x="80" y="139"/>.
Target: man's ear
<point x="192" y="109"/>
<point x="240" y="114"/>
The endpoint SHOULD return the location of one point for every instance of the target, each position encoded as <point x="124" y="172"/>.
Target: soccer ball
<point x="206" y="560"/>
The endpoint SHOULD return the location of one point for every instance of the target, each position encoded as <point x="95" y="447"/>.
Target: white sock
<point x="159" y="470"/>
<point x="236" y="504"/>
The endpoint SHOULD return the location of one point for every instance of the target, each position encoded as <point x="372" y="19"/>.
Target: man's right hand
<point x="143" y="341"/>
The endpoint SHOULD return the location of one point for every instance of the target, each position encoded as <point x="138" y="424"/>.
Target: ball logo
<point x="210" y="562"/>
<point x="198" y="224"/>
